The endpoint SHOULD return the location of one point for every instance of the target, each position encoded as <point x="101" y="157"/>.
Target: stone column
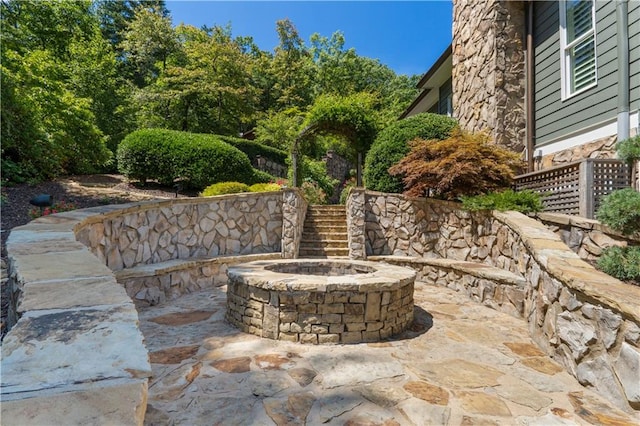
<point x="488" y="75"/>
<point x="294" y="211"/>
<point x="356" y="224"/>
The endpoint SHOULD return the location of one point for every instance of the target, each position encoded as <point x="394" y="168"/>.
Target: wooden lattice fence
<point x="576" y="188"/>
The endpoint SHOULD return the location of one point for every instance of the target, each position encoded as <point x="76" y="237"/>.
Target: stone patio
<point x="460" y="363"/>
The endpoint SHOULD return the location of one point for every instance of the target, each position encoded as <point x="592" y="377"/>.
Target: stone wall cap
<point x="480" y="270"/>
<point x="58" y="266"/>
<point x="107" y="344"/>
<point x="383" y="277"/>
<point x="83" y="292"/>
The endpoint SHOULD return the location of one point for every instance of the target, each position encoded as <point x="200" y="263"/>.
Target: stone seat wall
<point x="74" y="353"/>
<point x="494" y="287"/>
<point x="585" y="319"/>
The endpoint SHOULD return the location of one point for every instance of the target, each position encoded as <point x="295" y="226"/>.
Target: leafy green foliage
<point x="620" y="210"/>
<point x="313" y="193"/>
<point x="463" y="164"/>
<point x="264" y="187"/>
<point x="279" y="129"/>
<point x="523" y="201"/>
<point x="621" y="263"/>
<point x="77" y="76"/>
<point x="346" y="189"/>
<point x="315" y="172"/>
<point x="351" y="116"/>
<point x="629" y="149"/>
<point x="197" y="160"/>
<point x="392" y="143"/>
<point x="223" y="188"/>
<point x="253" y="149"/>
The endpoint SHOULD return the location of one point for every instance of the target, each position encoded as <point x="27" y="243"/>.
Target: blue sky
<point x="406" y="36"/>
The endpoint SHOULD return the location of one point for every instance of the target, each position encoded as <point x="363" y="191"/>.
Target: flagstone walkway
<point x="460" y="364"/>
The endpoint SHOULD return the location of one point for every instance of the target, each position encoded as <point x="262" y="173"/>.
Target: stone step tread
<point x="324" y="218"/>
<point x="324" y="252"/>
<point x="325" y="235"/>
<point x="477" y="269"/>
<point x="327" y="231"/>
<point x="322" y="245"/>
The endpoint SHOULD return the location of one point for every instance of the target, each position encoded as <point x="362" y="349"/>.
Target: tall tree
<point x="206" y="88"/>
<point x="292" y="68"/>
<point x="48" y="126"/>
<point x="147" y="41"/>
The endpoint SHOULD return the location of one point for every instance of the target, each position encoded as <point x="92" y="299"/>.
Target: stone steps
<point x="324" y="232"/>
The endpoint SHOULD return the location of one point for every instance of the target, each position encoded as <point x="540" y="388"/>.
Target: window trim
<point x="565" y="56"/>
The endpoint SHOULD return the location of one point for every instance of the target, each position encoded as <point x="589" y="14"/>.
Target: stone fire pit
<point x="320" y="301"/>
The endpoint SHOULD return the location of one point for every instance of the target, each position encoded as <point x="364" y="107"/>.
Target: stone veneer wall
<point x="294" y="212"/>
<point x="158" y="231"/>
<point x="600" y="148"/>
<point x="74" y="353"/>
<point x="586" y="237"/>
<point x="583" y="318"/>
<point x="488" y="75"/>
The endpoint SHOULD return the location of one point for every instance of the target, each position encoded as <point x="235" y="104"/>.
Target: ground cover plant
<point x="392" y="144"/>
<point x="522" y="201"/>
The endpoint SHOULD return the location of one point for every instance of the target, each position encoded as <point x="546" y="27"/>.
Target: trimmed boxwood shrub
<point x="222" y="188"/>
<point x="620" y="210"/>
<point x="264" y="187"/>
<point x="253" y="149"/>
<point x="392" y="144"/>
<point x="196" y="159"/>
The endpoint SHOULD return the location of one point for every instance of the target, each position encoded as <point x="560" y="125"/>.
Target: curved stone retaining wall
<point x="74" y="354"/>
<point x="586" y="237"/>
<point x="585" y="319"/>
<point x="154" y="232"/>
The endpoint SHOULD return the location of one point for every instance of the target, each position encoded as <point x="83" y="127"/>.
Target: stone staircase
<point x="325" y="232"/>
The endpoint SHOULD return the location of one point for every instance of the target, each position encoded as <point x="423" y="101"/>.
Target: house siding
<point x="555" y="118"/>
<point x="634" y="54"/>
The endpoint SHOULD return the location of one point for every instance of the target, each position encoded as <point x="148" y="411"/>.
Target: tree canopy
<point x="77" y="77"/>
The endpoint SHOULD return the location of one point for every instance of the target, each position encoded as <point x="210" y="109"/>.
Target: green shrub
<point x="392" y="144"/>
<point x="222" y="188"/>
<point x="621" y="263"/>
<point x="629" y="149"/>
<point x="197" y="159"/>
<point x="264" y="187"/>
<point x="524" y="201"/>
<point x="620" y="210"/>
<point x="253" y="149"/>
<point x="261" y="177"/>
<point x="346" y="188"/>
<point x="313" y="193"/>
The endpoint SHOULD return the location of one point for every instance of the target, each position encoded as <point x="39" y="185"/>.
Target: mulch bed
<point x="80" y="191"/>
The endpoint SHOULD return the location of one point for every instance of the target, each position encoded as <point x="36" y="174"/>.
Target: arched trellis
<point x="351" y="117"/>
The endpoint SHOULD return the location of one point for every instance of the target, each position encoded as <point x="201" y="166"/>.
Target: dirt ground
<point x="80" y="191"/>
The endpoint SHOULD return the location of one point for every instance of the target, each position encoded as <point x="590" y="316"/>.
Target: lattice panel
<point x="560" y="184"/>
<point x="608" y="175"/>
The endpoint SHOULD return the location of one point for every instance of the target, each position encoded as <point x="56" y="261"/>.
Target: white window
<point x="578" y="46"/>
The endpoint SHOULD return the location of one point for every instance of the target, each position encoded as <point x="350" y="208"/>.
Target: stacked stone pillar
<point x="488" y="75"/>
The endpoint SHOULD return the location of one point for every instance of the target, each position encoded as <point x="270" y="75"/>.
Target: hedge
<point x="391" y="145"/>
<point x="197" y="160"/>
<point x="253" y="149"/>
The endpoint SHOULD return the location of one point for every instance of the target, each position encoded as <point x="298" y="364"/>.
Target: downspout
<point x="622" y="22"/>
<point x="530" y="125"/>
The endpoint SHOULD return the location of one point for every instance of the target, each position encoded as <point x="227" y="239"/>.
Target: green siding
<point x="634" y="53"/>
<point x="554" y="117"/>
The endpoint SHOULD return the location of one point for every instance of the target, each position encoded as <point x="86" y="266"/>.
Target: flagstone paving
<point x="460" y="364"/>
